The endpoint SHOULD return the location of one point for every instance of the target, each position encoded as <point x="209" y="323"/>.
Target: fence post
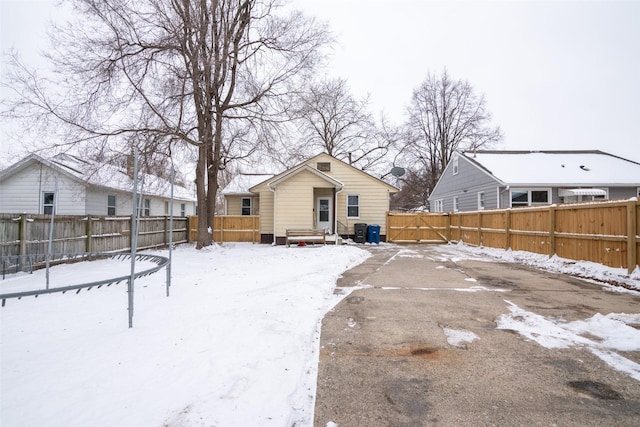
<point x="256" y="229"/>
<point x="448" y="225"/>
<point x="507" y="225"/>
<point x="552" y="230"/>
<point x="23" y="235"/>
<point x="88" y="232"/>
<point x="632" y="232"/>
<point x="479" y="228"/>
<point x="386" y="226"/>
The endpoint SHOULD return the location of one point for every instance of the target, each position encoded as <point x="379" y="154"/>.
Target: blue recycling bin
<point x="373" y="234"/>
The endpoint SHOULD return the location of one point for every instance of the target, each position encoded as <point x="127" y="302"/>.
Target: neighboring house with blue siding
<point x="83" y="187"/>
<point x="508" y="179"/>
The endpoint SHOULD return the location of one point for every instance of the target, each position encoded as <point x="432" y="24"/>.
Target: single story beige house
<point x="322" y="193"/>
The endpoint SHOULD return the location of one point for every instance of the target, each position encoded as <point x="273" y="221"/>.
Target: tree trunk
<point x="204" y="238"/>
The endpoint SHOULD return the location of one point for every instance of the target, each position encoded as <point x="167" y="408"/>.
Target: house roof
<point x="557" y="168"/>
<point x="241" y="183"/>
<point x="301" y="168"/>
<point x="101" y="175"/>
<point x="305" y="166"/>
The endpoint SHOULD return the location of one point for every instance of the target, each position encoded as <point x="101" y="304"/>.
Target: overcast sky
<point x="555" y="75"/>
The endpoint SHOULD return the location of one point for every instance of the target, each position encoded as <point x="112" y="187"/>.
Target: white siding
<point x="22" y="192"/>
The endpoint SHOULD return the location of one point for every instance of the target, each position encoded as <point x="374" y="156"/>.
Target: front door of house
<point x="323" y="212"/>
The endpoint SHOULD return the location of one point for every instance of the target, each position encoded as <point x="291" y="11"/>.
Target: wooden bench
<point x="306" y="236"/>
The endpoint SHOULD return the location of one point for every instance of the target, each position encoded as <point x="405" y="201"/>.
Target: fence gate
<point x="417" y="227"/>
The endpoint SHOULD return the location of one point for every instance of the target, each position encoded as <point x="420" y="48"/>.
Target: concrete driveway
<point x="389" y="357"/>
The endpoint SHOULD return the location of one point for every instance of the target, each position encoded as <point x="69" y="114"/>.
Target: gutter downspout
<point x="335" y="204"/>
<point x="273" y="190"/>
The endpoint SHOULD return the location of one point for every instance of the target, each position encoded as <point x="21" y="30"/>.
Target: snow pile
<point x="617" y="278"/>
<point x="235" y="344"/>
<point x="602" y="335"/>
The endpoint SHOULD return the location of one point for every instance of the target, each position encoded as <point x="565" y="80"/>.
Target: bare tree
<point x="446" y="115"/>
<point x="414" y="191"/>
<point x="334" y="122"/>
<point x="176" y="74"/>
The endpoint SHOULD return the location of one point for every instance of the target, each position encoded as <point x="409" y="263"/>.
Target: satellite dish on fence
<point x="397" y="171"/>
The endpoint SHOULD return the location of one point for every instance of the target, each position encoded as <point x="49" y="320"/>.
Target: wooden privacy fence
<point x="25" y="234"/>
<point x="230" y="228"/>
<point x="604" y="232"/>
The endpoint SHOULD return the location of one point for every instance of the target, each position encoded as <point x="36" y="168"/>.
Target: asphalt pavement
<point x="387" y="357"/>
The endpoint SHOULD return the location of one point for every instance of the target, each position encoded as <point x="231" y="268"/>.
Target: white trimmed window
<point x="111" y="205"/>
<point x="455" y="165"/>
<point x="146" y="207"/>
<point x="527" y="197"/>
<point x="353" y="206"/>
<point x="48" y="200"/>
<point x="438" y="205"/>
<point x="183" y="209"/>
<point x="481" y="200"/>
<point x="246" y="206"/>
<point x="456" y="204"/>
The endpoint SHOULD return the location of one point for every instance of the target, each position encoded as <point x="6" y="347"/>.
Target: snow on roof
<point x="111" y="176"/>
<point x="241" y="183"/>
<point x="558" y="167"/>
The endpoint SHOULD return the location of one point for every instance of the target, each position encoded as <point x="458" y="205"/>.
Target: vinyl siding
<point x="22" y="192"/>
<point x="296" y="197"/>
<point x="266" y="211"/>
<point x="374" y="194"/>
<point x="295" y="202"/>
<point x="466" y="185"/>
<point x="233" y="204"/>
<point x="621" y="192"/>
<point x="472" y="179"/>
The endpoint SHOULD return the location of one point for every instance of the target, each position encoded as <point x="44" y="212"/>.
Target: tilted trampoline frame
<point x="160" y="262"/>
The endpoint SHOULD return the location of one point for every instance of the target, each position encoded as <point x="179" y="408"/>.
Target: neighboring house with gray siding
<point x="29" y="186"/>
<point x="505" y="179"/>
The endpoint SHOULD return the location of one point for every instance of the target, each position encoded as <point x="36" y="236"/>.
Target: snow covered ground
<point x="236" y="343"/>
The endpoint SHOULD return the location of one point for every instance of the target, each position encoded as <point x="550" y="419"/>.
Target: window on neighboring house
<point x="48" y="200"/>
<point x="246" y="206"/>
<point x="183" y="209"/>
<point x="481" y="200"/>
<point x="456" y="204"/>
<point x="146" y="207"/>
<point x="353" y="206"/>
<point x="525" y="197"/>
<point x="111" y="205"/>
<point x="455" y="165"/>
<point x="638" y="191"/>
<point x="324" y="166"/>
<point x="438" y="205"/>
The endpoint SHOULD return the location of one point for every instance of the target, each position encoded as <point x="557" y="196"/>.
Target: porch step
<point x="333" y="239"/>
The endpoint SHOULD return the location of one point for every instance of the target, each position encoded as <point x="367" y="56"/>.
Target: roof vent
<point x="584" y="168"/>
